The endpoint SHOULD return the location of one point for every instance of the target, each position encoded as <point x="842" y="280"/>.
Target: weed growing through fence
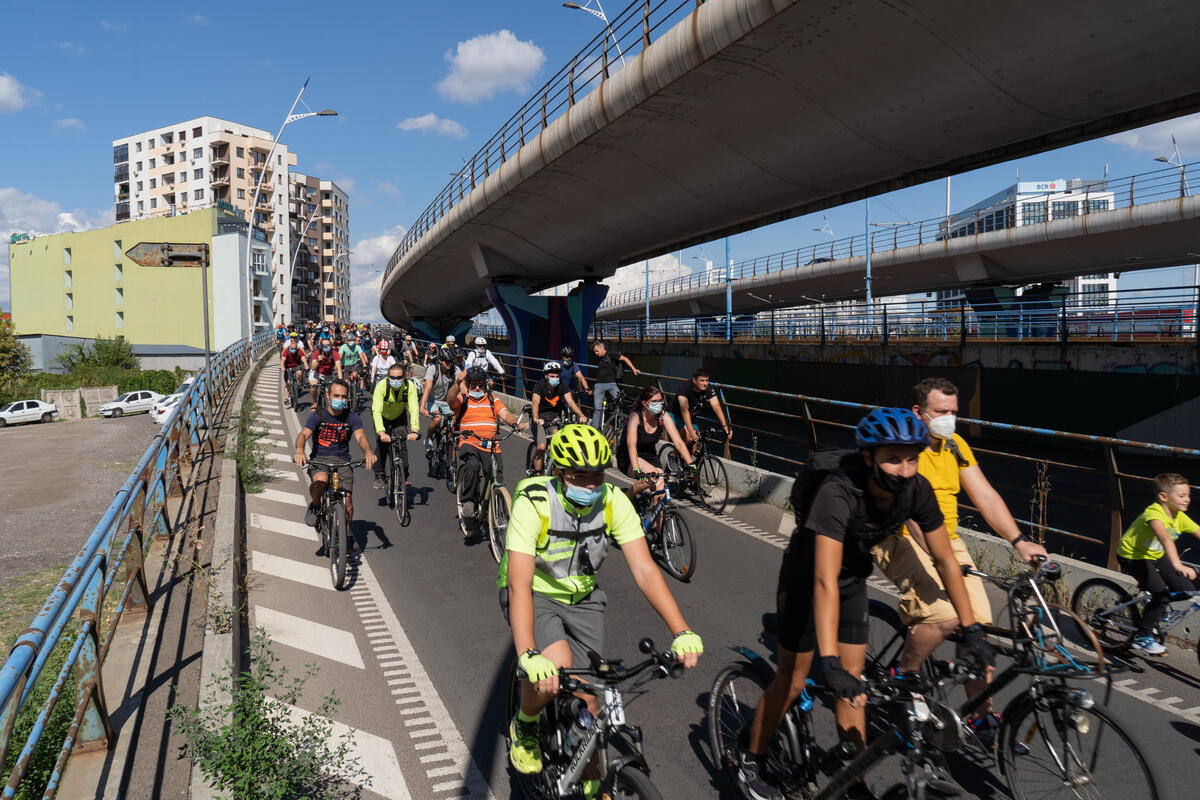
<point x="250" y="456"/>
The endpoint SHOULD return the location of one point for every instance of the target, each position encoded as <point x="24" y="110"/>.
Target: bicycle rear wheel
<point x="631" y="782"/>
<point x="464" y="526"/>
<point x="713" y="483"/>
<point x="734" y="696"/>
<point x="678" y="547"/>
<point x="499" y="507"/>
<point x="338" y="534"/>
<point x="1052" y="747"/>
<point x="1094" y="602"/>
<point x="448" y="464"/>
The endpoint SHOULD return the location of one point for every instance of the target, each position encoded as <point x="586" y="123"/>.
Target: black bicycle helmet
<point x="884" y="426"/>
<point x="567" y="352"/>
<point x="476" y="375"/>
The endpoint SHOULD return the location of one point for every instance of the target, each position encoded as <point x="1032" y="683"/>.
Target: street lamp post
<point x="292" y="116"/>
<point x="301" y="234"/>
<point x="1177" y="162"/>
<point x="600" y="15"/>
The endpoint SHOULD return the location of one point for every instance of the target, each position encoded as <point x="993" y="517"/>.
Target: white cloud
<point x="71" y="123"/>
<point x="432" y="123"/>
<point x="113" y="26"/>
<point x="366" y="272"/>
<point x="1156" y="139"/>
<point x="196" y="19"/>
<point x="13" y="95"/>
<point x="71" y="47"/>
<point x="389" y="188"/>
<point x="490" y="63"/>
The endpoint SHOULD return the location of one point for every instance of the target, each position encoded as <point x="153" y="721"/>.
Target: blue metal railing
<point x="118" y="540"/>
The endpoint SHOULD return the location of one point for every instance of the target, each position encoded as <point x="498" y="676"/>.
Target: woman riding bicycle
<point x="642" y="433"/>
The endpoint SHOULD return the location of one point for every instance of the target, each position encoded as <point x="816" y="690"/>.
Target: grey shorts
<point x="581" y="624"/>
<point x="345" y="477"/>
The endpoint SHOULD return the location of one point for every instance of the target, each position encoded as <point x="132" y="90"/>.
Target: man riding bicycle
<point x="692" y="400"/>
<point x="439" y="378"/>
<point x="351" y="360"/>
<point x="331" y="428"/>
<point x="394" y="412"/>
<point x="550" y="403"/>
<point x="556" y="542"/>
<point x="478" y="413"/>
<point x="321" y="366"/>
<point x="293" y="362"/>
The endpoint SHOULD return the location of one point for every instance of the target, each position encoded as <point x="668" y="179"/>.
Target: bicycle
<point x="1114" y="614"/>
<point x="667" y="533"/>
<point x="552" y="425"/>
<point x="352" y="392"/>
<point x="613" y="416"/>
<point x="436" y="452"/>
<point x="333" y="524"/>
<point x="494" y="504"/>
<point x="709" y="483"/>
<point x="397" y="480"/>
<point x="571" y="735"/>
<point x="293" y="385"/>
<point x="1047" y="730"/>
<point x="323" y="384"/>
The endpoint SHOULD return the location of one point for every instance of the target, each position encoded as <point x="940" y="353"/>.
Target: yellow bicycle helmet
<point x="582" y="447"/>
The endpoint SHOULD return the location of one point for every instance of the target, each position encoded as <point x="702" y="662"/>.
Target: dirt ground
<point x="56" y="481"/>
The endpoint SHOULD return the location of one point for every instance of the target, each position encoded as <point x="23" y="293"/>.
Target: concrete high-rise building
<point x="209" y="162"/>
<point x="319" y="218"/>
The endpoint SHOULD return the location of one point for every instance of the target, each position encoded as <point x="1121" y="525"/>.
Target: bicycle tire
<point x="712" y="479"/>
<point x="885" y="640"/>
<point x="500" y="506"/>
<point x="1039" y="739"/>
<point x="337" y="545"/>
<point x="678" y="547"/>
<point x="449" y="466"/>
<point x="734" y="696"/>
<point x="458" y="499"/>
<point x="633" y="783"/>
<point x="1096" y="595"/>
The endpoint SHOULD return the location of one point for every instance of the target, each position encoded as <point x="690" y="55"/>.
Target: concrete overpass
<point x="747" y="112"/>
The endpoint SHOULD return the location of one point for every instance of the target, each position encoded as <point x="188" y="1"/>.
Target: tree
<point x="16" y="360"/>
<point x="100" y="354"/>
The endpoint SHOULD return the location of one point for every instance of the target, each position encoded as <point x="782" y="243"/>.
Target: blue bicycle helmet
<point x="890" y="426"/>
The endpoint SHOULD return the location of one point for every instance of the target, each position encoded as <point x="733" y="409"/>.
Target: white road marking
<point x="276" y="496"/>
<point x="786" y="523"/>
<point x="311" y="637"/>
<point x="285" y="526"/>
<point x="280" y="475"/>
<point x="267" y="413"/>
<point x="290" y="570"/>
<point x="284" y="457"/>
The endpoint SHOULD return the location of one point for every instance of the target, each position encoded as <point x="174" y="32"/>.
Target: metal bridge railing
<point x="628" y="33"/>
<point x="116" y="545"/>
<point x="1094" y="197"/>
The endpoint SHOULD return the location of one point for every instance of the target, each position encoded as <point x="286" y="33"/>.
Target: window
<point x="66" y="255"/>
<point x="183" y="198"/>
<point x="197" y="132"/>
<point x="183" y="176"/>
<point x="67" y="278"/>
<point x="119" y="322"/>
<point x="198" y="153"/>
<point x="1097" y="205"/>
<point x="139" y="186"/>
<point x="241" y="173"/>
<point x="241" y="152"/>
<point x="154" y="202"/>
<point x="1061" y="209"/>
<point x="279" y="159"/>
<point x="1032" y="213"/>
<point x="138" y="168"/>
<point x="153" y="182"/>
<point x="118" y="250"/>
<point x="137" y="147"/>
<point x="197" y="174"/>
<point x="141" y="206"/>
<point x="183" y="136"/>
<point x="70" y="323"/>
<point x="241" y="193"/>
<point x="118" y="273"/>
<point x="119" y="296"/>
<point x="120" y="153"/>
<point x="69" y="299"/>
<point x="198" y="194"/>
<point x="153" y="162"/>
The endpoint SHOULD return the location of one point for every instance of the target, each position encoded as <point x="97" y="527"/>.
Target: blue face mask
<point x="338" y="403"/>
<point x="552" y="381"/>
<point x="476" y="395"/>
<point x="655" y="408"/>
<point x="395" y="383"/>
<point x="582" y="496"/>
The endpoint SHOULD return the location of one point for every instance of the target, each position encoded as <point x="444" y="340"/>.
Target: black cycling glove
<point x="842" y="683"/>
<point x="975" y="646"/>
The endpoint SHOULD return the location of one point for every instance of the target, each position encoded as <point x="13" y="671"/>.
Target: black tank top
<point x="646" y="441"/>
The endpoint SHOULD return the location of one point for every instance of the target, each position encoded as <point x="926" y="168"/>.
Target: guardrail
<point x="1055" y="474"/>
<point x="1093" y="197"/>
<point x="627" y="34"/>
<point x="118" y="540"/>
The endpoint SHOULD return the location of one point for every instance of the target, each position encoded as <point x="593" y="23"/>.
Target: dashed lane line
<point x="290" y="570"/>
<point x="276" y="496"/>
<point x="373" y="755"/>
<point x="286" y="527"/>
<point x="281" y="475"/>
<point x="311" y="637"/>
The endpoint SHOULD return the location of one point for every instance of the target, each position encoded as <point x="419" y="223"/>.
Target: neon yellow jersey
<point x="1139" y="542"/>
<point x="528" y="533"/>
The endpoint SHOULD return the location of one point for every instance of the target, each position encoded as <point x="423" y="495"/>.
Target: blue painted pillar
<point x="439" y="330"/>
<point x="539" y="327"/>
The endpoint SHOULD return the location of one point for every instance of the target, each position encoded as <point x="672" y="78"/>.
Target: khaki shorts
<point x="922" y="596"/>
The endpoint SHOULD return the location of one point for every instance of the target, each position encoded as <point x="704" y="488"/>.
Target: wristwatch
<point x="1023" y="537"/>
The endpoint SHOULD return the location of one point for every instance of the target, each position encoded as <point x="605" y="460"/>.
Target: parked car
<point x="27" y="411"/>
<point x="130" y="403"/>
<point x="183" y="387"/>
<point x="163" y="408"/>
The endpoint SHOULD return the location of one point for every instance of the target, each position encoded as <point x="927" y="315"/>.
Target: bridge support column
<point x="539" y="327"/>
<point x="438" y="330"/>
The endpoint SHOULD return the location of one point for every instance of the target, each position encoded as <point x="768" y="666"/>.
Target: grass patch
<point x="21" y="597"/>
<point x="250" y="455"/>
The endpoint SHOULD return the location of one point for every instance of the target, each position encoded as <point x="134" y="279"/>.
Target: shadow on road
<point x="483" y="744"/>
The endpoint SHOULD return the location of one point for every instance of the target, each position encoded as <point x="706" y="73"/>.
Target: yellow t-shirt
<point x="940" y="467"/>
<point x="1139" y="542"/>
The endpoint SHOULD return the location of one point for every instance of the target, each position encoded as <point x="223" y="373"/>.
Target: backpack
<point x="820" y="466"/>
<point x="618" y="366"/>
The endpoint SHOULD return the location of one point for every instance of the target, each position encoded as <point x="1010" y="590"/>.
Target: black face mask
<point x="893" y="484"/>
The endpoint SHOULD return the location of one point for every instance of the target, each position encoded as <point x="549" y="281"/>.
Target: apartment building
<point x="319" y="219"/>
<point x="204" y="163"/>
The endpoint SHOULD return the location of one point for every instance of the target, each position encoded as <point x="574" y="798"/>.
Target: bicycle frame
<point x="1169" y="620"/>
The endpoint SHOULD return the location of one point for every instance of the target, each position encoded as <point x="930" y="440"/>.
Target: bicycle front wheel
<point x="400" y="493"/>
<point x="498" y="510"/>
<point x="678" y="547"/>
<point x="338" y="535"/>
<point x="448" y="459"/>
<point x="885" y="640"/>
<point x="1052" y="747"/>
<point x="1096" y="601"/>
<point x="713" y="482"/>
<point x="631" y="782"/>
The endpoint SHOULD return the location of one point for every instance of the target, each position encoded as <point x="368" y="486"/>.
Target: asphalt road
<point x="442" y="590"/>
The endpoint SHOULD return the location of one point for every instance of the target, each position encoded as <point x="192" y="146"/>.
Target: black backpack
<point x="820" y="466"/>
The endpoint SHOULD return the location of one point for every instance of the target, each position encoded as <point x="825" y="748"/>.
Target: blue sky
<point x="418" y="86"/>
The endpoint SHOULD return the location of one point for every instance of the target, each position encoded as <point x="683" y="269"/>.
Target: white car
<point x="130" y="403"/>
<point x="183" y="387"/>
<point x="163" y="408"/>
<point x="27" y="411"/>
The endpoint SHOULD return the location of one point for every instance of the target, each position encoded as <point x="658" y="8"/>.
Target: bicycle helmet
<point x="567" y="352"/>
<point x="384" y="346"/>
<point x="552" y="366"/>
<point x="446" y="354"/>
<point x="480" y="341"/>
<point x="476" y="375"/>
<point x="885" y="426"/>
<point x="582" y="447"/>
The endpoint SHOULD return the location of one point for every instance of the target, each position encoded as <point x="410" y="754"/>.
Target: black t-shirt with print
<point x="551" y="395"/>
<point x="331" y="434"/>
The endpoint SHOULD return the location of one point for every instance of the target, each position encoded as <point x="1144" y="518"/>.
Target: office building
<point x="319" y="218"/>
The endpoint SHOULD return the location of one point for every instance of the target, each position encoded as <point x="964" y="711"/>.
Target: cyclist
<point x="280" y="334"/>
<point x="482" y="357"/>
<point x="572" y="376"/>
<point x="692" y="399"/>
<point x="439" y="378"/>
<point x="394" y="412"/>
<point x="822" y="591"/>
<point x="351" y="360"/>
<point x="479" y="412"/>
<point x="1148" y="553"/>
<point x="430" y="356"/>
<point x="549" y="397"/>
<point x="382" y="362"/>
<point x="608" y="371"/>
<point x="293" y="361"/>
<point x="949" y="465"/>
<point x="644" y="429"/>
<point x="408" y="351"/>
<point x="331" y="428"/>
<point x="555" y="544"/>
<point x="321" y="366"/>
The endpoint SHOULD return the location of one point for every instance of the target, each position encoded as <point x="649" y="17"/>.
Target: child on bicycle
<point x="1149" y="555"/>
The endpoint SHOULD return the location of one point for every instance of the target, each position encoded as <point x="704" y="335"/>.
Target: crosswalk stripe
<point x="374" y="755"/>
<point x="274" y="495"/>
<point x="281" y="475"/>
<point x="280" y="457"/>
<point x="290" y="569"/>
<point x="285" y="526"/>
<point x="311" y="637"/>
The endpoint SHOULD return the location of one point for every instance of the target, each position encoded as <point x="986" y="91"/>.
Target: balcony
<point x="121" y="174"/>
<point x="221" y="180"/>
<point x="221" y="160"/>
<point x="122" y="212"/>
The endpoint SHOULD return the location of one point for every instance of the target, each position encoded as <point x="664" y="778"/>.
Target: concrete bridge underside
<point x="753" y="111"/>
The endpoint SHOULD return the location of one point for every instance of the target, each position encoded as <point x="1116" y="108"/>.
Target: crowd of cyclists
<point x="890" y="502"/>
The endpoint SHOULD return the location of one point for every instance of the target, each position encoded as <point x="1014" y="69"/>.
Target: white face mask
<point x="942" y="427"/>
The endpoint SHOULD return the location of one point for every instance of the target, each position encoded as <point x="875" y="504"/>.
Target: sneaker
<point x="985" y="729"/>
<point x="379" y="484"/>
<point x="752" y="783"/>
<point x="428" y="445"/>
<point x="310" y="516"/>
<point x="524" y="751"/>
<point x="1147" y="646"/>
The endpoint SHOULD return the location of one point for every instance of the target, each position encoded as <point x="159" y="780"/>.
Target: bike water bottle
<point x="579" y="729"/>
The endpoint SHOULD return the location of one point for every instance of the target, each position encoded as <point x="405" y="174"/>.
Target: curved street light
<point x="600" y="15"/>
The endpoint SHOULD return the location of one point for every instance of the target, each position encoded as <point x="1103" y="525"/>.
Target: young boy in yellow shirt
<point x="1148" y="554"/>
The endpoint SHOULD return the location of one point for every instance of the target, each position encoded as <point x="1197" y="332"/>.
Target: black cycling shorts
<point x="794" y="605"/>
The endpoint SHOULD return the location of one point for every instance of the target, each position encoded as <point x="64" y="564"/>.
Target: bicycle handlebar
<point x="489" y="443"/>
<point x="1044" y="570"/>
<point x="664" y="665"/>
<point x="318" y="463"/>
